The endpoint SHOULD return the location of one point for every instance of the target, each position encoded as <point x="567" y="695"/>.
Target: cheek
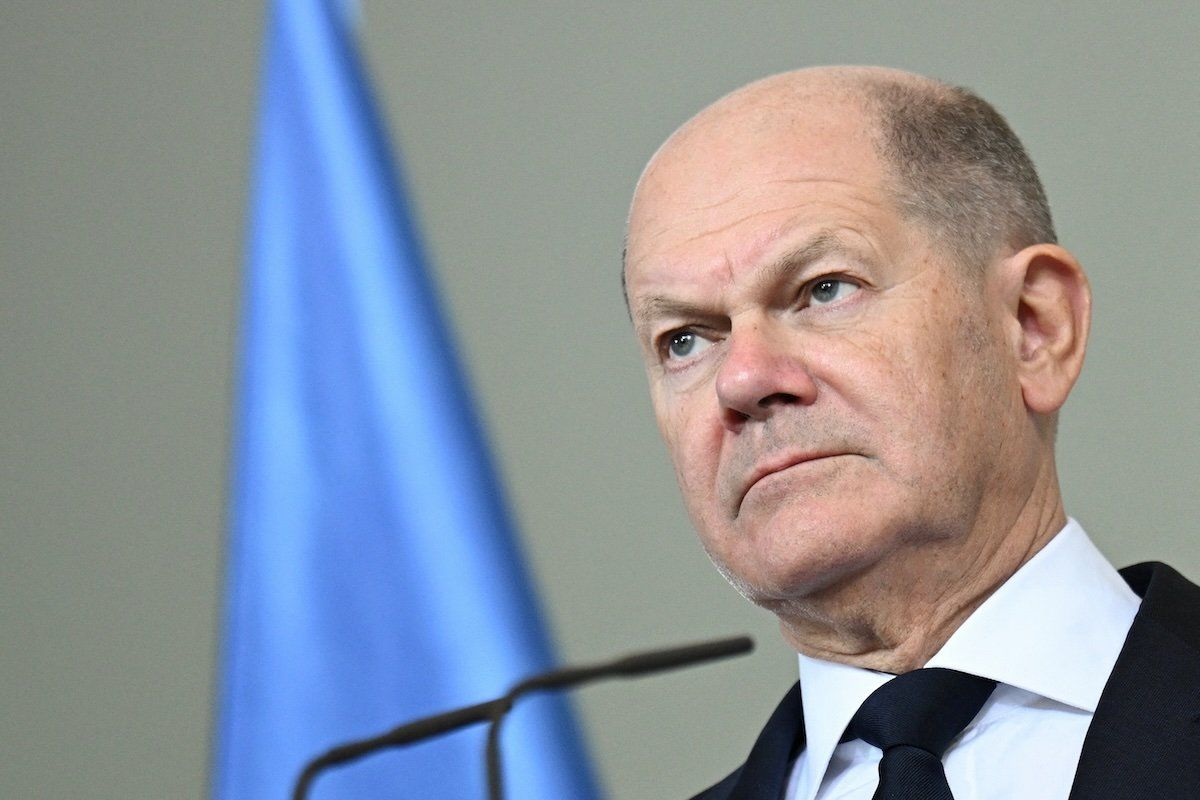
<point x="696" y="457"/>
<point x="955" y="412"/>
<point x="693" y="438"/>
<point x="878" y="381"/>
<point x="904" y="394"/>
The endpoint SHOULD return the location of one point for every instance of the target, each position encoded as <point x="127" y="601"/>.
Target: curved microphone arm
<point x="493" y="711"/>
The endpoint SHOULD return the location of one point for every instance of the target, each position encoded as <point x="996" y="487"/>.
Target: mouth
<point x="776" y="465"/>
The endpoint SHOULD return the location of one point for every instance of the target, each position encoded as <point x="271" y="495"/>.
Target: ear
<point x="1050" y="302"/>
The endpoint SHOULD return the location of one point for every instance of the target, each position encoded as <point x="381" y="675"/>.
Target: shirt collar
<point x="831" y="694"/>
<point x="1054" y="628"/>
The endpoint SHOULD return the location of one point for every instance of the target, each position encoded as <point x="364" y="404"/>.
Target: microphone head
<point x="685" y="655"/>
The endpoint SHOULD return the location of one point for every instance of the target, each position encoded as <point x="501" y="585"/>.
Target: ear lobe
<point x="1053" y="313"/>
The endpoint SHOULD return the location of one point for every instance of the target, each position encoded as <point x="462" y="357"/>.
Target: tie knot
<point x="925" y="708"/>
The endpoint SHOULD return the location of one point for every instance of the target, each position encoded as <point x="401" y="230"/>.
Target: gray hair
<point x="958" y="168"/>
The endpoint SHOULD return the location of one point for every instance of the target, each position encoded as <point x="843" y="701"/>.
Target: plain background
<point x="124" y="134"/>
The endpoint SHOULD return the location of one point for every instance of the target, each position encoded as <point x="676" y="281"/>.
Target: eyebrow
<point x="817" y="247"/>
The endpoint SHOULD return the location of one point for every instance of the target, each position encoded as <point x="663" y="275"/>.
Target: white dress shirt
<point x="1049" y="636"/>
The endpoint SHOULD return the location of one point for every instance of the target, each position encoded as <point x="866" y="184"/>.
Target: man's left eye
<point x="828" y="290"/>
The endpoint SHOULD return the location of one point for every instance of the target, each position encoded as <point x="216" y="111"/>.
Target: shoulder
<point x="1144" y="739"/>
<point x="722" y="790"/>
<point x="764" y="773"/>
<point x="1169" y="603"/>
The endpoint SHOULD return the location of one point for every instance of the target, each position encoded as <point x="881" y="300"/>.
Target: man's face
<point x="835" y="393"/>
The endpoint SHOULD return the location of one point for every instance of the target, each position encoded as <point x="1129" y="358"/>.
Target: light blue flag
<point x="373" y="576"/>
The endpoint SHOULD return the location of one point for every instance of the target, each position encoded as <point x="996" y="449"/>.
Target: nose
<point x="763" y="372"/>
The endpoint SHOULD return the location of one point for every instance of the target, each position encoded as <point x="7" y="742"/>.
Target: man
<point x="858" y="330"/>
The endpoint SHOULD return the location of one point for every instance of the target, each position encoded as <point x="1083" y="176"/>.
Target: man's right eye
<point x="684" y="344"/>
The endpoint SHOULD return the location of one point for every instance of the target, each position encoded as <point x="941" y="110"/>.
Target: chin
<point x="791" y="559"/>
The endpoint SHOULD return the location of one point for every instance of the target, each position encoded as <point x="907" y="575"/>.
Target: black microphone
<point x="630" y="666"/>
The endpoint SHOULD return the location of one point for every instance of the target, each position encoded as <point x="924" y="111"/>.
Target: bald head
<point x="948" y="159"/>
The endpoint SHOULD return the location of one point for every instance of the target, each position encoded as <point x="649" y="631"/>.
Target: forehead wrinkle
<point x="764" y="241"/>
<point x="662" y="306"/>
<point x="760" y="185"/>
<point x="666" y="229"/>
<point x="821" y="244"/>
<point x="672" y="225"/>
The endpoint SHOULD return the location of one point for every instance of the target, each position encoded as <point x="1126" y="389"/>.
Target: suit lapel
<point x="1144" y="740"/>
<point x="763" y="775"/>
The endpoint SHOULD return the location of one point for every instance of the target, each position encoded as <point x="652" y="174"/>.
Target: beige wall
<point x="124" y="136"/>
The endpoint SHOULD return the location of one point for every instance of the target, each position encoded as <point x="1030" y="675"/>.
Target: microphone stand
<point x="493" y="711"/>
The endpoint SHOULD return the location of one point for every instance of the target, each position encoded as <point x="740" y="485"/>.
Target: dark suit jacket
<point x="1144" y="740"/>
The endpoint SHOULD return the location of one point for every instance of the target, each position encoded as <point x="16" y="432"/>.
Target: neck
<point x="896" y="617"/>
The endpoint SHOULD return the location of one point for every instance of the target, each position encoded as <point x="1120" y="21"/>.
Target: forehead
<point x="722" y="192"/>
<point x="724" y="150"/>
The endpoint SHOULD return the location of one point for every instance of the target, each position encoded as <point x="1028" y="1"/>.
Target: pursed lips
<point x="776" y="465"/>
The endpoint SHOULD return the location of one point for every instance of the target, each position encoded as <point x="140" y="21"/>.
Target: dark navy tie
<point x="912" y="719"/>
